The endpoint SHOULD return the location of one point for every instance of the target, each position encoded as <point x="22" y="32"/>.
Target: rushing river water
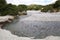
<point x="36" y="25"/>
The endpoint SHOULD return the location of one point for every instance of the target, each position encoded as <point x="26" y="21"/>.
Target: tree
<point x="34" y="7"/>
<point x="10" y="10"/>
<point x="2" y="3"/>
<point x="2" y="6"/>
<point x="22" y="7"/>
<point x="57" y="4"/>
<point x="45" y="9"/>
<point x="7" y="9"/>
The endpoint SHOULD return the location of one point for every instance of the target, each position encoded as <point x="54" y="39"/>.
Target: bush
<point x="10" y="10"/>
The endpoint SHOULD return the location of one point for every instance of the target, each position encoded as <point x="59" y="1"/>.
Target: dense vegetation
<point x="55" y="7"/>
<point x="10" y="9"/>
<point x="7" y="9"/>
<point x="22" y="7"/>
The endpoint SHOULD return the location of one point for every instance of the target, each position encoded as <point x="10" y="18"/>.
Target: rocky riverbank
<point x="5" y="19"/>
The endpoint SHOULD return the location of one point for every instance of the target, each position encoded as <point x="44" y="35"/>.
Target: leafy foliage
<point x="7" y="9"/>
<point x="10" y="10"/>
<point x="34" y="7"/>
<point x="22" y="8"/>
<point x="57" y="4"/>
<point x="2" y="6"/>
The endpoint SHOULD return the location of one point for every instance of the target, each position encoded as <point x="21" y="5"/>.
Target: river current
<point x="35" y="24"/>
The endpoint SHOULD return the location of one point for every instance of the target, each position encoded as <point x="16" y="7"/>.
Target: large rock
<point x="5" y="18"/>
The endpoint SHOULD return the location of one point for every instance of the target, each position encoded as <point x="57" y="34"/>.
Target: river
<point x="35" y="24"/>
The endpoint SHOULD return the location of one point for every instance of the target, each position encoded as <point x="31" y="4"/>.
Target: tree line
<point x="10" y="9"/>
